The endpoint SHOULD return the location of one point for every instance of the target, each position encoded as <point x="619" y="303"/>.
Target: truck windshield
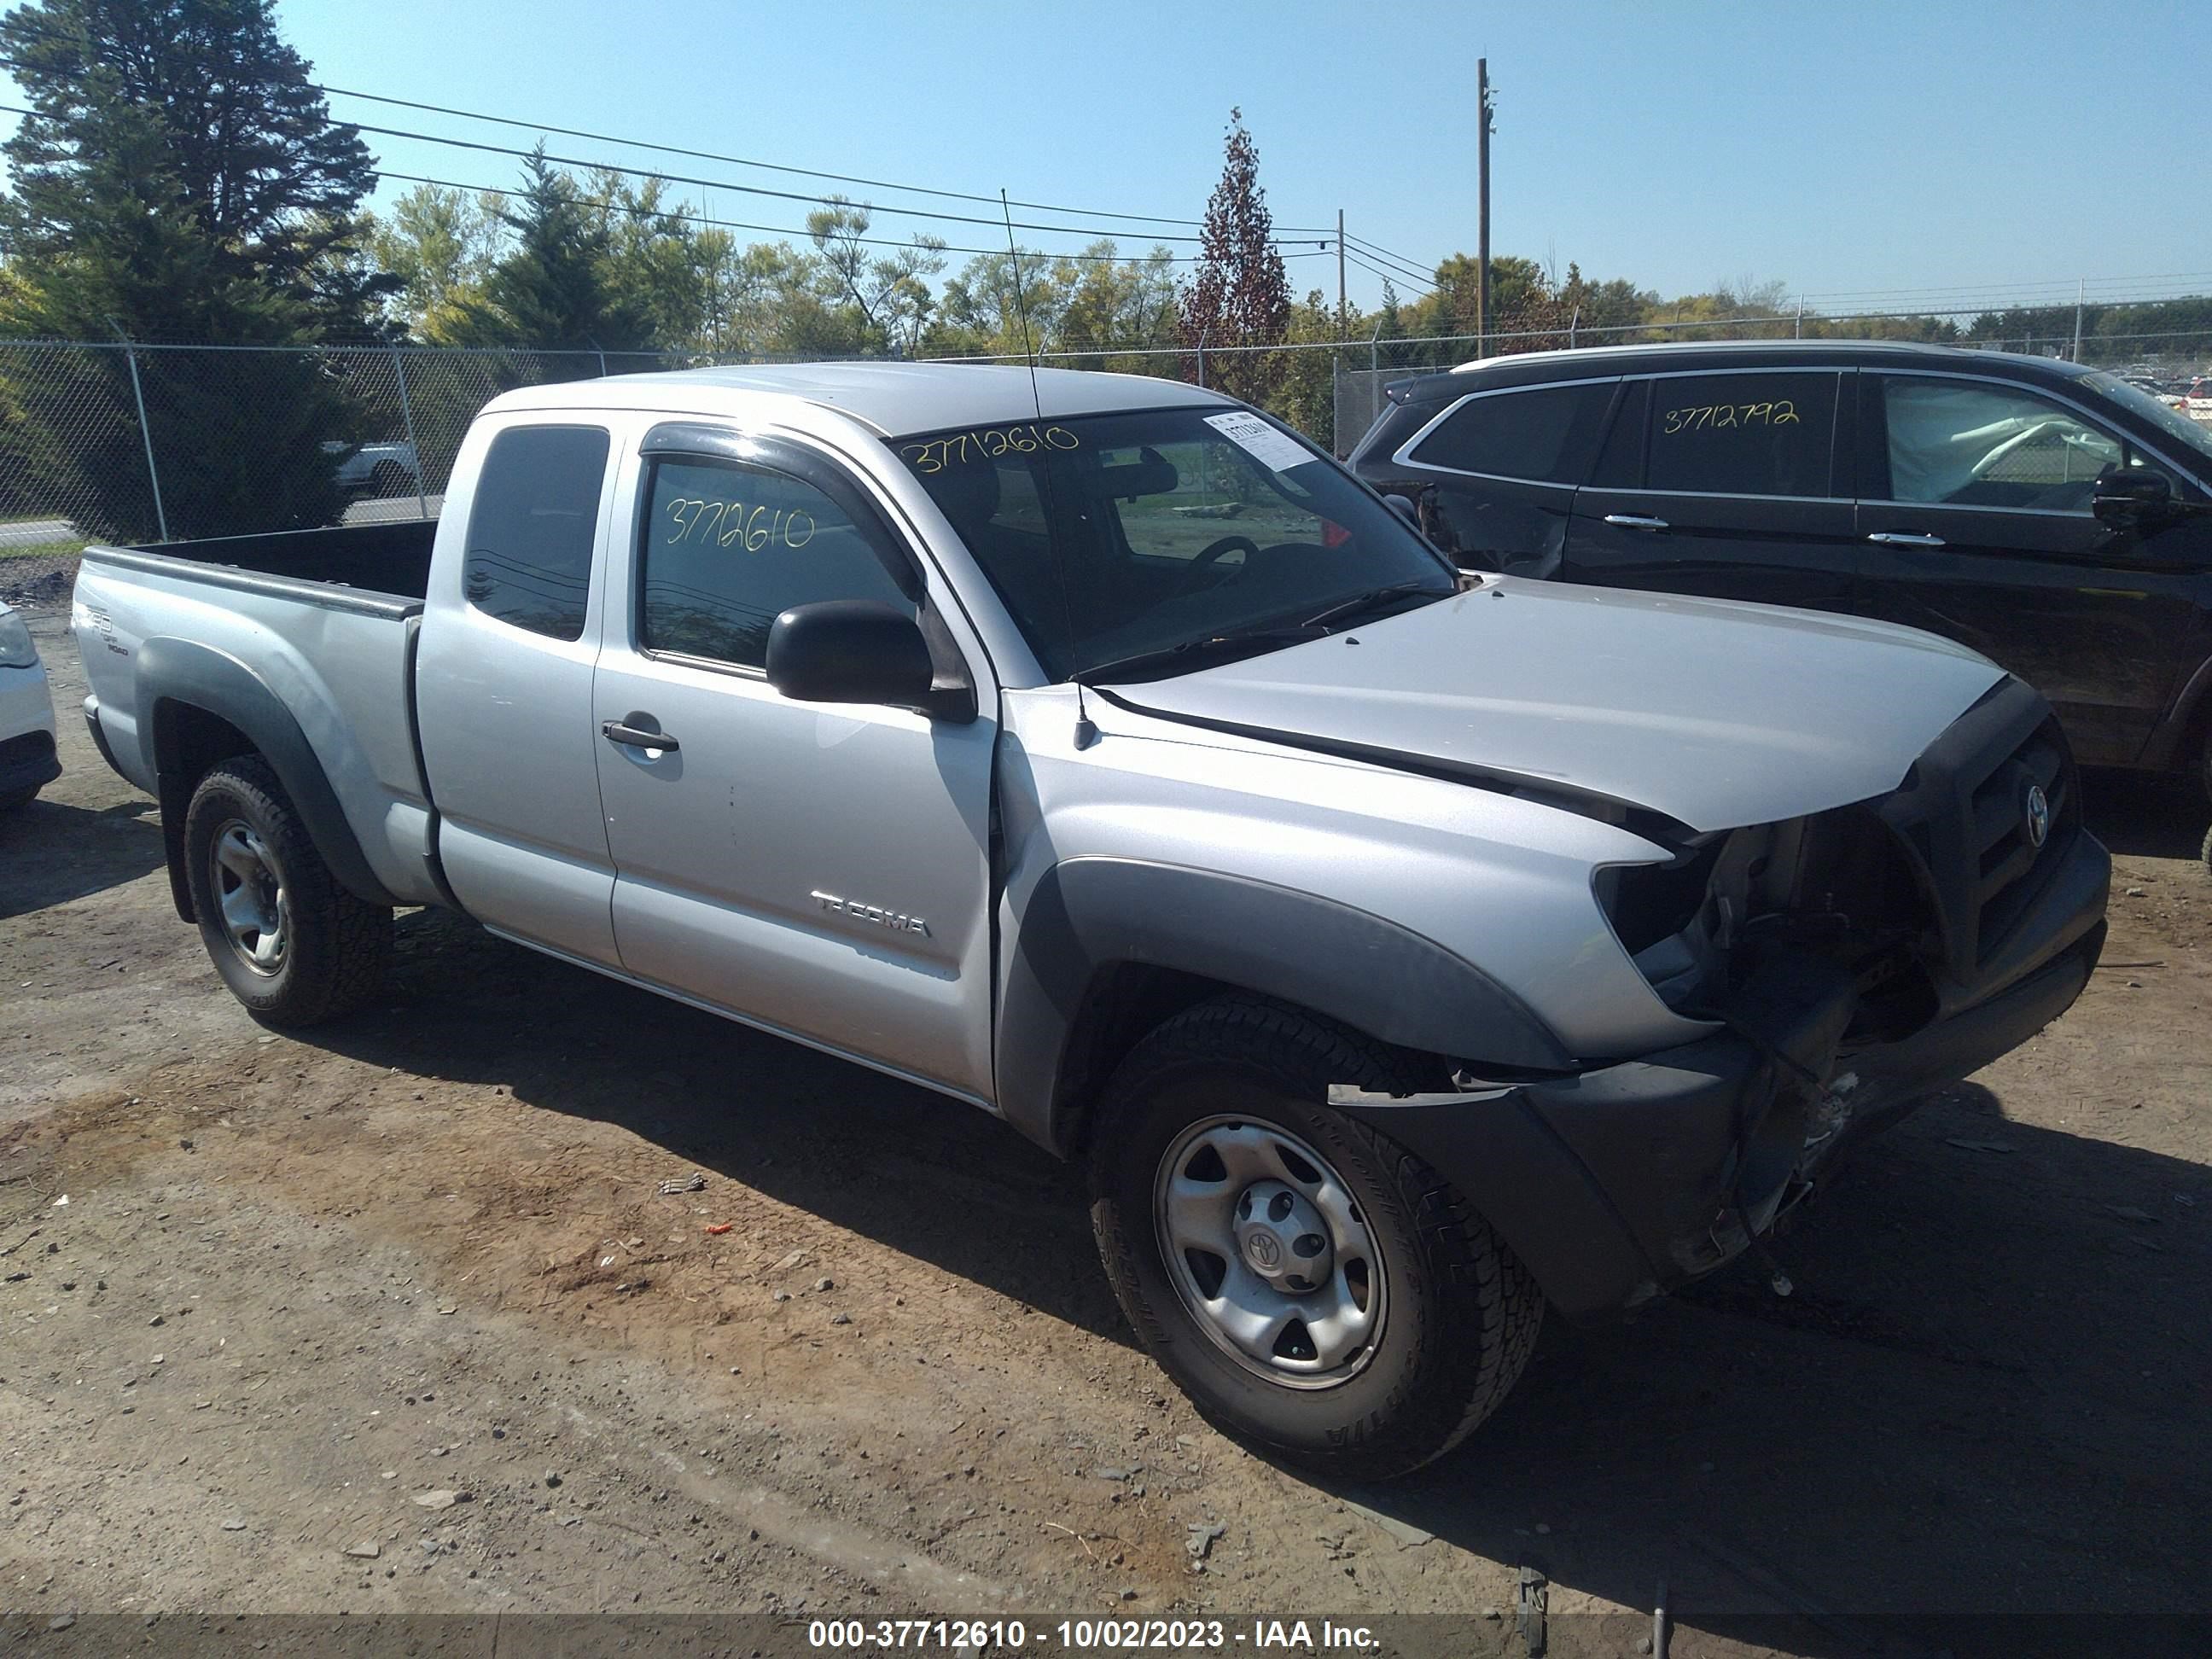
<point x="1115" y="540"/>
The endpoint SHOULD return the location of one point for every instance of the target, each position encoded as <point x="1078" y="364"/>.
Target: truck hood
<point x="1714" y="713"/>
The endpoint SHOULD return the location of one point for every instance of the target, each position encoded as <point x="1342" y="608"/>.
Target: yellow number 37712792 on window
<point x="1712" y="417"/>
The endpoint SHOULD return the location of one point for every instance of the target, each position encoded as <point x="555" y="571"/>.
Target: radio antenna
<point x="1086" y="732"/>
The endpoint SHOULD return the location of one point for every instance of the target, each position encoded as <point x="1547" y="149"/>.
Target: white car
<point x="28" y="762"/>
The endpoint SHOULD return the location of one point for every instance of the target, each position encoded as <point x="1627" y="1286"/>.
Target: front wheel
<point x="294" y="946"/>
<point x="1312" y="1285"/>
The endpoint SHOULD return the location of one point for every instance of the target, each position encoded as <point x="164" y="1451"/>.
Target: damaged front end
<point x="1848" y="962"/>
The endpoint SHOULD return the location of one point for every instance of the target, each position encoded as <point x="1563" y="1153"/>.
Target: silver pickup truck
<point x="1400" y="950"/>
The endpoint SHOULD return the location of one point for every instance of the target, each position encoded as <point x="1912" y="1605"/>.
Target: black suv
<point x="2055" y="519"/>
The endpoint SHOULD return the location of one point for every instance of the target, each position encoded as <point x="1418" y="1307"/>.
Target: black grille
<point x="2006" y="854"/>
<point x="1962" y="815"/>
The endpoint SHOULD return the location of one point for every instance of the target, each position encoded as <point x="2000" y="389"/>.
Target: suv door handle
<point x="1905" y="538"/>
<point x="1635" y="521"/>
<point x="636" y="737"/>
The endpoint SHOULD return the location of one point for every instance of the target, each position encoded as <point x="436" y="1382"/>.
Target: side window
<point x="1547" y="436"/>
<point x="1970" y="443"/>
<point x="528" y="557"/>
<point x="726" y="549"/>
<point x="1742" y="434"/>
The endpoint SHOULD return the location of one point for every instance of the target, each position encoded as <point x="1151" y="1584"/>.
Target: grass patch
<point x="68" y="549"/>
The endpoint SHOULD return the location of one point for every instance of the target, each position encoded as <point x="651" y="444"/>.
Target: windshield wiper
<point x="1193" y="655"/>
<point x="1373" y="596"/>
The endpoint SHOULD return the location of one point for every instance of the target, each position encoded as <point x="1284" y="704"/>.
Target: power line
<point x="26" y="26"/>
<point x="784" y="230"/>
<point x="1357" y="248"/>
<point x="1388" y="276"/>
<point x="1377" y="249"/>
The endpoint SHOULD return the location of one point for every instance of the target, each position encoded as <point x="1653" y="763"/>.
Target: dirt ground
<point x="267" y="1299"/>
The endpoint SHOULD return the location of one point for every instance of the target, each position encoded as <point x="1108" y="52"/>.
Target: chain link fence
<point x="118" y="442"/>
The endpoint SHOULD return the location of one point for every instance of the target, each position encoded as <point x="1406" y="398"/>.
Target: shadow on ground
<point x="50" y="852"/>
<point x="1989" y="1386"/>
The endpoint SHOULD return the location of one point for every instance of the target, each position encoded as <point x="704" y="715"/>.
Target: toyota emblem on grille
<point x="2038" y="814"/>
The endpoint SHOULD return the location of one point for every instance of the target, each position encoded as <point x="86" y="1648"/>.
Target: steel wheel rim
<point x="1236" y="1205"/>
<point x="250" y="902"/>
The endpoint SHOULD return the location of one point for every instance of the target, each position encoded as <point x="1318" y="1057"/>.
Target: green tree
<point x="180" y="179"/>
<point x="890" y="295"/>
<point x="441" y="243"/>
<point x="552" y="290"/>
<point x="1240" y="293"/>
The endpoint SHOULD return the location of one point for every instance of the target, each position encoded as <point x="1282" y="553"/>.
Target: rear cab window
<point x="527" y="560"/>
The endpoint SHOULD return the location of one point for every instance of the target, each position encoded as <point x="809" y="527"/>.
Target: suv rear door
<point x="1495" y="472"/>
<point x="1975" y="513"/>
<point x="1723" y="482"/>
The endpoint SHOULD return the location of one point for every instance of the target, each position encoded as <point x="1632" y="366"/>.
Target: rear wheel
<point x="293" y="946"/>
<point x="1312" y="1285"/>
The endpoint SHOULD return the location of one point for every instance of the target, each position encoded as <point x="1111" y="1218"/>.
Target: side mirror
<point x="2128" y="498"/>
<point x="1403" y="505"/>
<point x="850" y="651"/>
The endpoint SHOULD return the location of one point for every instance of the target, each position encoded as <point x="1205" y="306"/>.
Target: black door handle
<point x="636" y="737"/>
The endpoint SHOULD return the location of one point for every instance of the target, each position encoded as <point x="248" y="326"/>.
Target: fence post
<point x="1375" y="350"/>
<point x="414" y="449"/>
<point x="1201" y="359"/>
<point x="138" y="396"/>
<point x="1574" y="322"/>
<point x="1798" y="332"/>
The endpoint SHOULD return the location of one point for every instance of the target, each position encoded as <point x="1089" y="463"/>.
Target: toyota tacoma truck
<point x="1398" y="950"/>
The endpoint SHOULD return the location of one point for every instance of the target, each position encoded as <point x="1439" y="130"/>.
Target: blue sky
<point x="1848" y="150"/>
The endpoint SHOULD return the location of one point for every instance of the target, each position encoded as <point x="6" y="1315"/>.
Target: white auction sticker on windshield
<point x="1261" y="442"/>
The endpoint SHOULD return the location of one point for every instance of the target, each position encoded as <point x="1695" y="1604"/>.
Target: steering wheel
<point x="1209" y="555"/>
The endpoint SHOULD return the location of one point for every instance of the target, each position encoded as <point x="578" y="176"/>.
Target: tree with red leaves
<point x="1239" y="295"/>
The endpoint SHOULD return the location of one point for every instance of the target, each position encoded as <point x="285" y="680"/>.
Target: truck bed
<point x="300" y="642"/>
<point x="392" y="559"/>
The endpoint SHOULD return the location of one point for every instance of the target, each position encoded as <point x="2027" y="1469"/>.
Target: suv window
<point x="1968" y="443"/>
<point x="1546" y="435"/>
<point x="727" y="548"/>
<point x="528" y="558"/>
<point x="1742" y="434"/>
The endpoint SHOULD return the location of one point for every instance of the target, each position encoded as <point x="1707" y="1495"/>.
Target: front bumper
<point x="1616" y="1185"/>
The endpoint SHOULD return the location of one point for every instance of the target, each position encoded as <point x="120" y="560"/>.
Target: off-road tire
<point x="337" y="948"/>
<point x="1462" y="1313"/>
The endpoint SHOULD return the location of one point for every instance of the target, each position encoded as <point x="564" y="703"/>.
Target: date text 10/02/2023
<point x="1092" y="1635"/>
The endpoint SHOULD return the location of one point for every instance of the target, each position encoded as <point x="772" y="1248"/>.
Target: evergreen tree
<point x="552" y="291"/>
<point x="180" y="179"/>
<point x="1240" y="292"/>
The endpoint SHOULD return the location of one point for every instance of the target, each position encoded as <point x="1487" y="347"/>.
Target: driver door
<point x="1975" y="522"/>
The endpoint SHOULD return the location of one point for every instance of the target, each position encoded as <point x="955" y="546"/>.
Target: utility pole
<point x="1482" y="207"/>
<point x="1342" y="313"/>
